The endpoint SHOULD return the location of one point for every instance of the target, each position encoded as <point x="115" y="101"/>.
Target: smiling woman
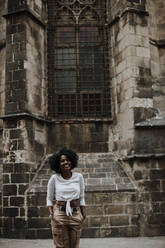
<point x="65" y="199"/>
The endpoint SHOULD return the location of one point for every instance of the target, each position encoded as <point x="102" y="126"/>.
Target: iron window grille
<point x="78" y="68"/>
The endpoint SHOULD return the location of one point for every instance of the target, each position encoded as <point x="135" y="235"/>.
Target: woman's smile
<point x="65" y="163"/>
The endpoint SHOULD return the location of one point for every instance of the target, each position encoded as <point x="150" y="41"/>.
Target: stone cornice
<point x="159" y="43"/>
<point x="144" y="156"/>
<point x="27" y="12"/>
<point x="25" y="115"/>
<point x="125" y="11"/>
<point x="54" y="121"/>
<point x="152" y="123"/>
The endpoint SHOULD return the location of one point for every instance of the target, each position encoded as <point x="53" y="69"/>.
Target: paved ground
<point x="154" y="242"/>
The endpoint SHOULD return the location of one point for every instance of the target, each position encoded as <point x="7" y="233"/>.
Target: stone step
<point x="106" y="232"/>
<point x="99" y="170"/>
<point x="109" y="214"/>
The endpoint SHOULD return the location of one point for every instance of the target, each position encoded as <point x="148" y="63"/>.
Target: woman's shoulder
<point x="53" y="177"/>
<point x="77" y="174"/>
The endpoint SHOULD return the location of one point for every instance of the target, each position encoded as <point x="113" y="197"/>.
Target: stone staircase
<point x="110" y="198"/>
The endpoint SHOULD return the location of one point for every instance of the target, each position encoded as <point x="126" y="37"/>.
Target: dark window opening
<point x="78" y="74"/>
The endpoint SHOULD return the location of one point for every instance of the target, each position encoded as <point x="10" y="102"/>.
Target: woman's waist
<point x="73" y="203"/>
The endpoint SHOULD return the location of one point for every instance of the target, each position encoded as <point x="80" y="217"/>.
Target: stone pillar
<point x="23" y="121"/>
<point x="3" y="7"/>
<point x="129" y="69"/>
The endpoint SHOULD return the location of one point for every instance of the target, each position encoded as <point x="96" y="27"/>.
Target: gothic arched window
<point x="78" y="82"/>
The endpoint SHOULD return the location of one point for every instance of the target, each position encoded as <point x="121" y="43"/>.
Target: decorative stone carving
<point x="80" y="9"/>
<point x="71" y="2"/>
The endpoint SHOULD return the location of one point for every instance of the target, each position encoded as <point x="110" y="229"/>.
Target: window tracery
<point x="78" y="76"/>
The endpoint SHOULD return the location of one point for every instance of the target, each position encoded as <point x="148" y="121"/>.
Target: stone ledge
<point x="158" y="43"/>
<point x="120" y="231"/>
<point x="107" y="188"/>
<point x="24" y="114"/>
<point x="53" y="121"/>
<point x="144" y="156"/>
<point x="152" y="123"/>
<point x="92" y="188"/>
<point x="28" y="12"/>
<point x="127" y="10"/>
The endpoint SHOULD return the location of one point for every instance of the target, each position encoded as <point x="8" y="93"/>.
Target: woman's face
<point x="65" y="164"/>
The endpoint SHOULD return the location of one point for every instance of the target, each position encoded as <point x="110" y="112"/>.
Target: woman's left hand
<point x="83" y="211"/>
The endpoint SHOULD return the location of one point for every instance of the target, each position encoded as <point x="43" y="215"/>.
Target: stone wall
<point x="23" y="135"/>
<point x="83" y="137"/>
<point x="158" y="53"/>
<point x="111" y="199"/>
<point x="149" y="174"/>
<point x="135" y="137"/>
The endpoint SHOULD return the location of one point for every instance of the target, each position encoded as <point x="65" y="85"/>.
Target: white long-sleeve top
<point x="61" y="189"/>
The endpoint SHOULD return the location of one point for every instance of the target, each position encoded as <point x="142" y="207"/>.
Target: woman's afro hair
<point x="54" y="160"/>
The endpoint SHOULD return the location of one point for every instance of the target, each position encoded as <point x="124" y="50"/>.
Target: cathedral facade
<point x="88" y="75"/>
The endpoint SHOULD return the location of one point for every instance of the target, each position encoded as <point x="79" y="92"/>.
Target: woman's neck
<point x="66" y="175"/>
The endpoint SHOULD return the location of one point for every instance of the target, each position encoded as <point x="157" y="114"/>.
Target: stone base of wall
<point x="109" y="214"/>
<point x="116" y="207"/>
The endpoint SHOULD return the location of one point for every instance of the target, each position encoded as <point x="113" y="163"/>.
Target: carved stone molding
<point x="71" y="2"/>
<point x="78" y="10"/>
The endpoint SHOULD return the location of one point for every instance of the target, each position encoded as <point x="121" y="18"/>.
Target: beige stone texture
<point x="35" y="68"/>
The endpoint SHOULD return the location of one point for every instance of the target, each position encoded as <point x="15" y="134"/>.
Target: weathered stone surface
<point x="123" y="199"/>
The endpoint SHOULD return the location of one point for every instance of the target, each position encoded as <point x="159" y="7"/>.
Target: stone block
<point x="20" y="178"/>
<point x="103" y="198"/>
<point x="151" y="185"/>
<point x="131" y="231"/>
<point x="120" y="197"/>
<point x="141" y="114"/>
<point x="21" y="168"/>
<point x="10" y="212"/>
<point x="158" y="196"/>
<point x="7" y="222"/>
<point x="19" y="37"/>
<point x="134" y="220"/>
<point x="5" y="201"/>
<point x="19" y="74"/>
<point x="6" y="179"/>
<point x="105" y="232"/>
<point x="16" y="5"/>
<point x="22" y="211"/>
<point x="143" y="52"/>
<point x="19" y="223"/>
<point x="40" y="200"/>
<point x="97" y="175"/>
<point x="44" y="233"/>
<point x="157" y="174"/>
<point x="33" y="212"/>
<point x="163" y="185"/>
<point x="9" y="190"/>
<point x="156" y="219"/>
<point x="162" y="208"/>
<point x="93" y="210"/>
<point x="15" y="134"/>
<point x="99" y="221"/>
<point x="119" y="220"/>
<point x="138" y="175"/>
<point x="113" y="209"/>
<point x="131" y="209"/>
<point x="13" y="145"/>
<point x="161" y="163"/>
<point x="43" y="212"/>
<point x="89" y="198"/>
<point x="90" y="233"/>
<point x="17" y="201"/>
<point x="38" y="222"/>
